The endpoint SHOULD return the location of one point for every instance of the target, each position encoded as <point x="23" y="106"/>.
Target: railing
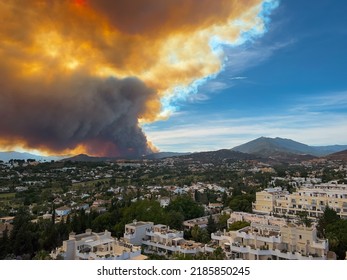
<point x="276" y="252"/>
<point x="161" y="246"/>
<point x="129" y="235"/>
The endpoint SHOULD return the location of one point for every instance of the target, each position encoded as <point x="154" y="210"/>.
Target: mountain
<point x="326" y="150"/>
<point x="86" y="158"/>
<point x="6" y="156"/>
<point x="161" y="155"/>
<point x="218" y="156"/>
<point x="268" y="147"/>
<point x="338" y="156"/>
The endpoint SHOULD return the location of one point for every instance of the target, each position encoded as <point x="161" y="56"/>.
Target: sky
<point x="291" y="82"/>
<point x="130" y="77"/>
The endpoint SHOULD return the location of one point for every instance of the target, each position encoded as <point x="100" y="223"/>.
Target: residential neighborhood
<point x="173" y="208"/>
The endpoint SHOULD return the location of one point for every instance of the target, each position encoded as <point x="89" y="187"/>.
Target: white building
<point x="254" y="218"/>
<point x="201" y="222"/>
<point x="63" y="211"/>
<point x="266" y="199"/>
<point x="270" y="238"/>
<point x="136" y="231"/>
<point x="96" y="246"/>
<point x="310" y="198"/>
<point x="160" y="239"/>
<point x="164" y="201"/>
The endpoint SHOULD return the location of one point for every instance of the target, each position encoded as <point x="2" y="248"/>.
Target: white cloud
<point x="215" y="86"/>
<point x="312" y="129"/>
<point x="238" y="78"/>
<point x="327" y="101"/>
<point x="198" y="97"/>
<point x="240" y="58"/>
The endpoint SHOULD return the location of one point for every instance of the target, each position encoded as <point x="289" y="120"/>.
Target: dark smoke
<point x="163" y="17"/>
<point x="100" y="113"/>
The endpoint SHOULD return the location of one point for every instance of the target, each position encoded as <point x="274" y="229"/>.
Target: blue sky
<point x="290" y="83"/>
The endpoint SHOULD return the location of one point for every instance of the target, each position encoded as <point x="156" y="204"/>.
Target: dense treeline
<point x="34" y="240"/>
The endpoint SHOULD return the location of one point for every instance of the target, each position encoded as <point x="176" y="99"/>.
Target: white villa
<point x="96" y="246"/>
<point x="160" y="239"/>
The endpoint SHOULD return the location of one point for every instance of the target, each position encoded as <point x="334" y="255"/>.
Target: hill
<point x="6" y="156"/>
<point x="161" y="155"/>
<point x="268" y="147"/>
<point x="86" y="158"/>
<point x="338" y="156"/>
<point x="218" y="156"/>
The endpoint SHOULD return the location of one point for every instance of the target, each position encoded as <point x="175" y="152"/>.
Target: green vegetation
<point x="332" y="227"/>
<point x="241" y="199"/>
<point x="131" y="190"/>
<point x="7" y="196"/>
<point x="303" y="218"/>
<point x="217" y="254"/>
<point x="30" y="240"/>
<point x="238" y="225"/>
<point x="187" y="206"/>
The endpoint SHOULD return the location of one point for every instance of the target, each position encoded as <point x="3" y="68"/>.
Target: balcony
<point x="129" y="236"/>
<point x="171" y="248"/>
<point x="239" y="248"/>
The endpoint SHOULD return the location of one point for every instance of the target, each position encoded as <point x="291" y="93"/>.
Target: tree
<point x="304" y="219"/>
<point x="42" y="255"/>
<point x="4" y="244"/>
<point x="218" y="254"/>
<point x="211" y="225"/>
<point x="20" y="224"/>
<point x="200" y="235"/>
<point x="329" y="217"/>
<point x="336" y="233"/>
<point x="187" y="206"/>
<point x="175" y="220"/>
<point x="53" y="213"/>
<point x="23" y="243"/>
<point x="222" y="221"/>
<point x="102" y="222"/>
<point x="196" y="233"/>
<point x="144" y="210"/>
<point x="331" y="226"/>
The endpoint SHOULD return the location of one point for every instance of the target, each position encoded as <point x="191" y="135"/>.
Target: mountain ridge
<point x="266" y="146"/>
<point x="342" y="155"/>
<point x="6" y="156"/>
<point x="260" y="148"/>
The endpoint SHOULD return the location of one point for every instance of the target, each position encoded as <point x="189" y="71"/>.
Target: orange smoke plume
<point x="79" y="75"/>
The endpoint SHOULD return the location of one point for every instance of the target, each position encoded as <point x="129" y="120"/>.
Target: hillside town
<point x="173" y="208"/>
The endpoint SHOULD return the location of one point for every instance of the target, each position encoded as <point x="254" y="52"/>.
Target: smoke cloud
<point x="79" y="75"/>
<point x="79" y="114"/>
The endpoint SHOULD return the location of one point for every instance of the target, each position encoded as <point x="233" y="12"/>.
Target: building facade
<point x="160" y="239"/>
<point x="96" y="246"/>
<point x="271" y="238"/>
<point x="310" y="198"/>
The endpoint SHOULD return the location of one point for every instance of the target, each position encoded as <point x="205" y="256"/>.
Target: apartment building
<point x="160" y="239"/>
<point x="136" y="231"/>
<point x="266" y="199"/>
<point x="255" y="218"/>
<point x="201" y="222"/>
<point x="310" y="198"/>
<point x="272" y="239"/>
<point x="96" y="246"/>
